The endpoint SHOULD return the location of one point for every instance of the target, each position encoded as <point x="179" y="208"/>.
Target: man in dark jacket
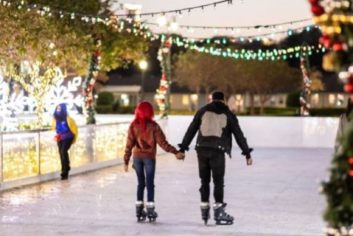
<point x="215" y="124"/>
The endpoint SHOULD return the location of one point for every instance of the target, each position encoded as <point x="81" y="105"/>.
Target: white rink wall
<point x="35" y="159"/>
<point x="281" y="132"/>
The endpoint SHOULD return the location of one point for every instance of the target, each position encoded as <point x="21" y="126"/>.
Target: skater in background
<point x="343" y="124"/>
<point x="143" y="136"/>
<point x="66" y="135"/>
<point x="215" y="124"/>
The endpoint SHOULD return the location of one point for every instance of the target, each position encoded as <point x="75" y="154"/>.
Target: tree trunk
<point x="198" y="92"/>
<point x="207" y="93"/>
<point x="262" y="107"/>
<point x="252" y="103"/>
<point x="263" y="100"/>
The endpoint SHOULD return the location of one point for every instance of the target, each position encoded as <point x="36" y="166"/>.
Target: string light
<point x="242" y="39"/>
<point x="35" y="81"/>
<point x="45" y="10"/>
<point x="20" y="152"/>
<point x="274" y="27"/>
<point x="260" y="54"/>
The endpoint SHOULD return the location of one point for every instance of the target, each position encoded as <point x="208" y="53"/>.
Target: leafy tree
<point x="67" y="43"/>
<point x="316" y="81"/>
<point x="203" y="72"/>
<point x="265" y="78"/>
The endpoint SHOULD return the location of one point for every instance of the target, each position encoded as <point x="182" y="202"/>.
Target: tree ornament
<point x="328" y="5"/>
<point x="317" y="10"/>
<point x="328" y="62"/>
<point x="326" y="41"/>
<point x="338" y="47"/>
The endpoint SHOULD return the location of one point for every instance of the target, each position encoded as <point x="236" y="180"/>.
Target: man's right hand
<point x="249" y="161"/>
<point x="126" y="168"/>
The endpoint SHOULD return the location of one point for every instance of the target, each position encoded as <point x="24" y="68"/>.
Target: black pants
<point x="64" y="146"/>
<point x="211" y="161"/>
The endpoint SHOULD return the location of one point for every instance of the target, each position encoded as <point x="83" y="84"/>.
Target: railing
<point x="32" y="154"/>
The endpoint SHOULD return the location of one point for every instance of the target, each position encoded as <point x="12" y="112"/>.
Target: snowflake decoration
<point x="69" y="94"/>
<point x="14" y="101"/>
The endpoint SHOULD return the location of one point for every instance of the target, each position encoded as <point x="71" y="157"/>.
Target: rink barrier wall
<point x="30" y="157"/>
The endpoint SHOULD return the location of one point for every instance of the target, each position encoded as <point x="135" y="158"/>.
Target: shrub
<point x="274" y="111"/>
<point x="326" y="111"/>
<point x="126" y="110"/>
<point x="105" y="98"/>
<point x="104" y="109"/>
<point x="293" y="99"/>
<point x="116" y="106"/>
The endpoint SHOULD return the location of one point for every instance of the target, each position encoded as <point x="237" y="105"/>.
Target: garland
<point x="88" y="86"/>
<point x="163" y="92"/>
<point x="305" y="94"/>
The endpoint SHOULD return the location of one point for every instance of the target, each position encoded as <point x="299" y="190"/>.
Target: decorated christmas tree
<point x="336" y="21"/>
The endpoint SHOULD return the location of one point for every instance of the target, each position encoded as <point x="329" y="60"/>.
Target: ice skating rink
<point x="278" y="196"/>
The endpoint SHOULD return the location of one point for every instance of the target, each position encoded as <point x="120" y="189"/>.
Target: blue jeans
<point x="145" y="169"/>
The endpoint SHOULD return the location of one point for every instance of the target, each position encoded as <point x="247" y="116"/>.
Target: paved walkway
<point x="278" y="196"/>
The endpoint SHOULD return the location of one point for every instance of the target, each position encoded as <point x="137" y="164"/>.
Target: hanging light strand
<point x="46" y="10"/>
<point x="248" y="27"/>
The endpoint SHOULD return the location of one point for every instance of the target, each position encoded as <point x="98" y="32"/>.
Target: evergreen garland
<point x="305" y="94"/>
<point x="163" y="92"/>
<point x="88" y="86"/>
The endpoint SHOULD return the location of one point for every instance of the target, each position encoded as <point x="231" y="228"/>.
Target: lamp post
<point x="143" y="67"/>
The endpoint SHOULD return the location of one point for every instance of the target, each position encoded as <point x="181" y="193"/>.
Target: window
<point x="194" y="98"/>
<point x="315" y="98"/>
<point x="331" y="99"/>
<point x="185" y="100"/>
<point x="125" y="100"/>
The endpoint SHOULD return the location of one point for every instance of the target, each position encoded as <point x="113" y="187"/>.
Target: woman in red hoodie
<point x="143" y="136"/>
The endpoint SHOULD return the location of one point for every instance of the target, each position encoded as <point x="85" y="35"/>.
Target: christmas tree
<point x="339" y="188"/>
<point x="336" y="22"/>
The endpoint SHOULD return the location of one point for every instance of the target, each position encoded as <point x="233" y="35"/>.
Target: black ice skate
<point x="220" y="216"/>
<point x="205" y="211"/>
<point x="151" y="214"/>
<point x="140" y="212"/>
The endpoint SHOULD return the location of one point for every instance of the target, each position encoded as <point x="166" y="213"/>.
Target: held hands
<point x="180" y="156"/>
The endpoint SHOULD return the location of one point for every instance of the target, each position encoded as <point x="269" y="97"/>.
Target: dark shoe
<point x="205" y="211"/>
<point x="64" y="176"/>
<point x="151" y="213"/>
<point x="140" y="212"/>
<point x="220" y="215"/>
